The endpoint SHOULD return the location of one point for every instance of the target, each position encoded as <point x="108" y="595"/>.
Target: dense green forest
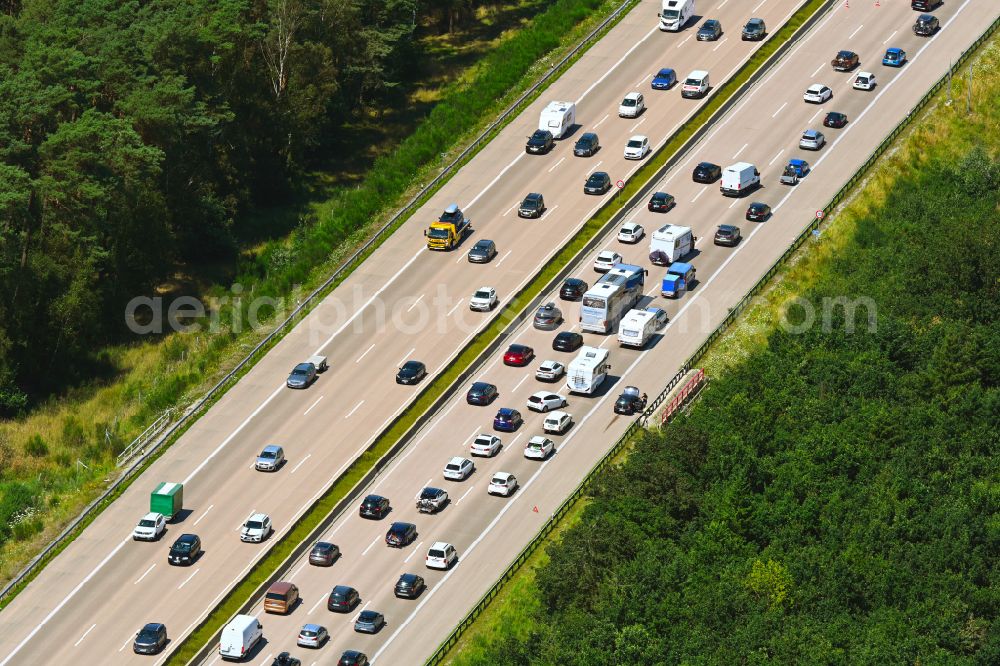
<point x="831" y="499"/>
<point x="136" y="137"/>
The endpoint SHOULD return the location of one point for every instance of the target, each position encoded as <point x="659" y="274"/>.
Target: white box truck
<point x="674" y="14"/>
<point x="669" y="243"/>
<point x="739" y="179"/>
<point x="636" y="328"/>
<point x="239" y="637"/>
<point x="558" y="118"/>
<point x="588" y="370"/>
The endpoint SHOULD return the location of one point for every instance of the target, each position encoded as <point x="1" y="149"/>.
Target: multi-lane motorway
<point x="408" y="303"/>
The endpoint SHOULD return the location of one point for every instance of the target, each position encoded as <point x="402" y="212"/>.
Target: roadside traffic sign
<point x="620" y="184"/>
<point x="819" y="215"/>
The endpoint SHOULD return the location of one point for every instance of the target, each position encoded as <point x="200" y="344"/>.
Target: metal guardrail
<point x="140" y="443"/>
<point x="282" y="328"/>
<point x="581" y="489"/>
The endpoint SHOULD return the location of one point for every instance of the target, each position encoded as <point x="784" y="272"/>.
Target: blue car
<point x="507" y="420"/>
<point x="894" y="57"/>
<point x="664" y="79"/>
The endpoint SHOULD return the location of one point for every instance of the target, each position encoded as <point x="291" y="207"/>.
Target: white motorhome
<point x="588" y="370"/>
<point x="675" y="14"/>
<point x="739" y="179"/>
<point x="239" y="637"/>
<point x="558" y="118"/>
<point x="636" y="328"/>
<point x="669" y="243"/>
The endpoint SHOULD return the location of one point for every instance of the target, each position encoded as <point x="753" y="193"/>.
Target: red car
<point x="518" y="355"/>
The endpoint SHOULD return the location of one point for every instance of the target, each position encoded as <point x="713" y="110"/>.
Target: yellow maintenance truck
<point x="448" y="231"/>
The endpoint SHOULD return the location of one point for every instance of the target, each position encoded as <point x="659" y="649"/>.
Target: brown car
<point x="845" y="61"/>
<point x="281" y="598"/>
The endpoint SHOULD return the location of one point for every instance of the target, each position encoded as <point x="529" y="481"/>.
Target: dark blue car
<point x="664" y="79"/>
<point x="894" y="57"/>
<point x="507" y="420"/>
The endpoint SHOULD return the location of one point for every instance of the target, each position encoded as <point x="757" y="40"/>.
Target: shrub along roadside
<point x="880" y="245"/>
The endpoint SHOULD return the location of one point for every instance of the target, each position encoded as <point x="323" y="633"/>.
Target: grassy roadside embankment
<point x="60" y="457"/>
<point x="941" y="134"/>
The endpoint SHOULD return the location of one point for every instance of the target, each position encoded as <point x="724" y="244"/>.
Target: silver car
<point x="302" y="376"/>
<point x="812" y="140"/>
<point x="548" y="317"/>
<point x="312" y="636"/>
<point x="270" y="459"/>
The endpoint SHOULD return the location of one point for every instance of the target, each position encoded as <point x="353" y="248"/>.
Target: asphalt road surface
<point x="406" y="302"/>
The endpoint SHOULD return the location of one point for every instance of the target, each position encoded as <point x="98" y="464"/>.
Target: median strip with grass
<point x="433" y="394"/>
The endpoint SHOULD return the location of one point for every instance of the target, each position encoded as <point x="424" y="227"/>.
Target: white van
<point x="674" y="14"/>
<point x="669" y="243"/>
<point x="637" y="328"/>
<point x="239" y="637"/>
<point x="695" y="85"/>
<point x="558" y="118"/>
<point x="557" y="423"/>
<point x="738" y="179"/>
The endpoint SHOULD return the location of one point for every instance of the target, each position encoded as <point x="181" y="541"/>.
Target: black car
<point x="567" y="341"/>
<point x="151" y="639"/>
<point x="409" y="586"/>
<point x="586" y="145"/>
<point x="924" y="5"/>
<point x="598" y="183"/>
<point x="754" y="30"/>
<point x="324" y="554"/>
<point x="285" y="659"/>
<point x="481" y="393"/>
<point x="375" y="506"/>
<point x="540" y="142"/>
<point x="342" y="599"/>
<point x="353" y="658"/>
<point x="709" y="31"/>
<point x="835" y="119"/>
<point x="758" y="212"/>
<point x="185" y="550"/>
<point x="728" y="235"/>
<point x="630" y="402"/>
<point x="926" y="25"/>
<point x="573" y="289"/>
<point x="482" y="252"/>
<point x="411" y="372"/>
<point x="706" y="172"/>
<point x="661" y="202"/>
<point x="533" y="206"/>
<point x="400" y="534"/>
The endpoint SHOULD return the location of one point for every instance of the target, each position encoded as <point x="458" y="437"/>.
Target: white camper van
<point x="557" y="118"/>
<point x="669" y="243"/>
<point x="588" y="370"/>
<point x="675" y="14"/>
<point x="739" y="179"/>
<point x="239" y="637"/>
<point x="637" y="328"/>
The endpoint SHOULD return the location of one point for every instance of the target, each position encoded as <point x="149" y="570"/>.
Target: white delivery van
<point x="588" y="370"/>
<point x="695" y="85"/>
<point x="637" y="328"/>
<point x="239" y="637"/>
<point x="557" y="118"/>
<point x="738" y="179"/>
<point x="669" y="243"/>
<point x="674" y="14"/>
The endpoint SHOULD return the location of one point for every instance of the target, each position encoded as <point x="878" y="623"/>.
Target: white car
<point x="812" y="140"/>
<point x="459" y="469"/>
<point x="441" y="555"/>
<point x="637" y="147"/>
<point x="864" y="81"/>
<point x="631" y="232"/>
<point x="817" y="93"/>
<point x="485" y="445"/>
<point x="550" y="371"/>
<point x="484" y="300"/>
<point x="150" y="528"/>
<point x="543" y="401"/>
<point x="538" y="448"/>
<point x="631" y="106"/>
<point x="502" y="483"/>
<point x="256" y="528"/>
<point x="606" y="260"/>
<point x="557" y="423"/>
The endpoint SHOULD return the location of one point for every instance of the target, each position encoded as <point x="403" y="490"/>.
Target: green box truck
<point x="168" y="499"/>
